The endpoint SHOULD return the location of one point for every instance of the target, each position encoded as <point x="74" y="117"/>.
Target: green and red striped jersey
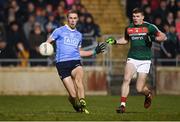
<point x="140" y="38"/>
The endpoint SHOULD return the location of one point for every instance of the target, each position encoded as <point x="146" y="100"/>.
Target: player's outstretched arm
<point x="100" y="48"/>
<point x="112" y="41"/>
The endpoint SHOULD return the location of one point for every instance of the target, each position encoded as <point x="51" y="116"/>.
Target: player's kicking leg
<point x="69" y="85"/>
<point x="142" y="88"/>
<point x="77" y="74"/>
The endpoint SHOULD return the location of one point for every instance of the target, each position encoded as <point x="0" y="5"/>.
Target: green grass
<point x="101" y="108"/>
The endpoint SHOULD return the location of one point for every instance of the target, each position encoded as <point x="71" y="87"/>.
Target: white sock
<point x="123" y="103"/>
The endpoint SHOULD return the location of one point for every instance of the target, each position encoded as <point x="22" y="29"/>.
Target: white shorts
<point x="140" y="65"/>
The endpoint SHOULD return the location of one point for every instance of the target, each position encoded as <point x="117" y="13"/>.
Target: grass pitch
<point x="102" y="108"/>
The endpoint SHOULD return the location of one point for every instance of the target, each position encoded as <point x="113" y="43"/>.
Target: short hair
<point x="71" y="12"/>
<point x="138" y="10"/>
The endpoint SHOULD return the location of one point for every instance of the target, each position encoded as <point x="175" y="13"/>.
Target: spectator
<point x="90" y="32"/>
<point x="26" y="13"/>
<point x="16" y="44"/>
<point x="51" y="20"/>
<point x="2" y="10"/>
<point x="30" y="8"/>
<point x="74" y="8"/>
<point x="174" y="6"/>
<point x="81" y="23"/>
<point x="84" y="11"/>
<point x="61" y="15"/>
<point x="64" y="5"/>
<point x="78" y="5"/>
<point x="23" y="4"/>
<point x="39" y="3"/>
<point x="170" y="19"/>
<point x="28" y="26"/>
<point x="162" y="11"/>
<point x="19" y="15"/>
<point x="171" y="46"/>
<point x="49" y="9"/>
<point x="147" y="14"/>
<point x="70" y="3"/>
<point x="154" y="4"/>
<point x="145" y="3"/>
<point x="41" y="17"/>
<point x="130" y="5"/>
<point x="2" y="42"/>
<point x="159" y="23"/>
<point x="177" y="22"/>
<point x="10" y="15"/>
<point x="36" y="37"/>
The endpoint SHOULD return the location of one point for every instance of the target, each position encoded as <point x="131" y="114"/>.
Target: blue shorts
<point x="65" y="68"/>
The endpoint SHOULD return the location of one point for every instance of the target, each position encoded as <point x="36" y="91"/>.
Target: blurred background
<point x="25" y="24"/>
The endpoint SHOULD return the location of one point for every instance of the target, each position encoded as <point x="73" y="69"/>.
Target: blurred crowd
<point x="25" y="24"/>
<point x="165" y="14"/>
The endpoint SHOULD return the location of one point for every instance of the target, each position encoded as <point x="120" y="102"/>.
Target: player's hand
<point x="111" y="40"/>
<point x="100" y="48"/>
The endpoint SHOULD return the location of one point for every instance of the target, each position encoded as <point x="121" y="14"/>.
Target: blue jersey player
<point x="68" y="55"/>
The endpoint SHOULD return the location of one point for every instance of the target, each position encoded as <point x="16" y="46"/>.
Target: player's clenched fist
<point x="111" y="40"/>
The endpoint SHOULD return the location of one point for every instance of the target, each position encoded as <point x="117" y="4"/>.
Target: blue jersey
<point x="68" y="41"/>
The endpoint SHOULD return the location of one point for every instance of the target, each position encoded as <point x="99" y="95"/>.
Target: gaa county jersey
<point x="68" y="41"/>
<point x="140" y="37"/>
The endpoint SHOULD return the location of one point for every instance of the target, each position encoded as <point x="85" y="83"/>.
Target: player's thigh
<point x="129" y="71"/>
<point x="141" y="80"/>
<point x="77" y="73"/>
<point x="143" y="71"/>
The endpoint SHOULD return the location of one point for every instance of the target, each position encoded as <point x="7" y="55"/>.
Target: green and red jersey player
<point x="139" y="34"/>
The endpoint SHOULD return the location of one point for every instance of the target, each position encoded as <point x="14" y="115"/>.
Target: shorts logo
<point x="77" y="65"/>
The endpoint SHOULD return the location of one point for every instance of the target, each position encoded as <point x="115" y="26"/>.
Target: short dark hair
<point x="138" y="10"/>
<point x="71" y="12"/>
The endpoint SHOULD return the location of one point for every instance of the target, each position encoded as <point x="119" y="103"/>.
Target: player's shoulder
<point x="58" y="29"/>
<point x="78" y="32"/>
<point x="148" y="24"/>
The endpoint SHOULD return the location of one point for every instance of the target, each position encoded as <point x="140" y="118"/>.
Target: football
<point x="46" y="49"/>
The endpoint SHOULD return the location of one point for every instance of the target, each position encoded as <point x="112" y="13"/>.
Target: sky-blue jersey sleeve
<point x="55" y="34"/>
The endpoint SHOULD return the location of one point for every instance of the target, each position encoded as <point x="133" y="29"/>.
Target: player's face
<point x="138" y="18"/>
<point x="72" y="20"/>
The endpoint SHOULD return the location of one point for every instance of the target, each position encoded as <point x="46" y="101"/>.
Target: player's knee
<point x="139" y="89"/>
<point x="127" y="80"/>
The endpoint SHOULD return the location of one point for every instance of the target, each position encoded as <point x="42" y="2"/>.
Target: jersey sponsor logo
<point x="137" y="38"/>
<point x="137" y="31"/>
<point x="71" y="41"/>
